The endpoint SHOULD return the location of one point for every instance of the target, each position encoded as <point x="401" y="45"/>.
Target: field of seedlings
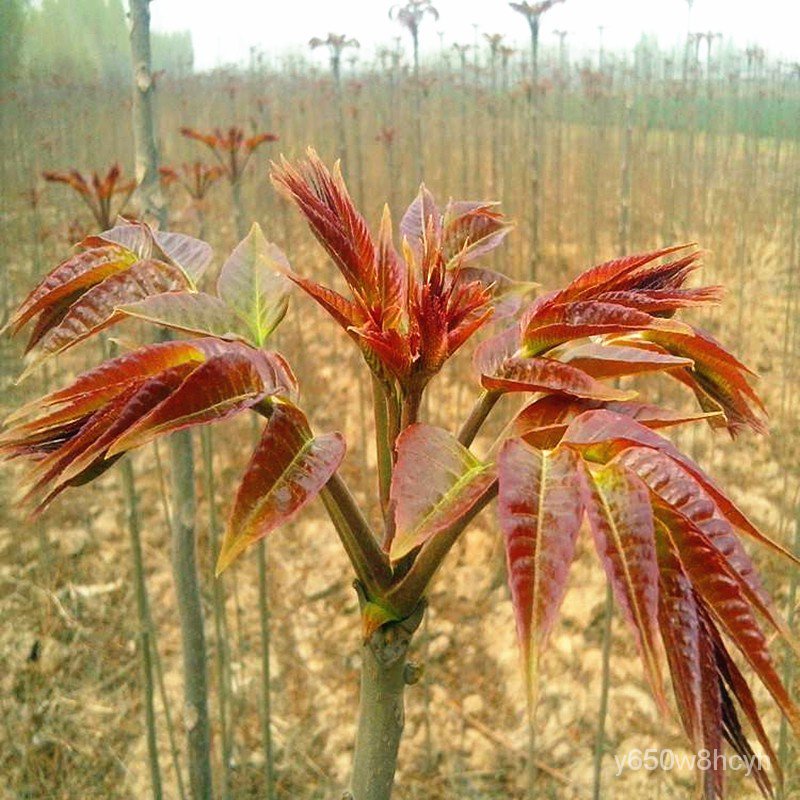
<point x="591" y="159"/>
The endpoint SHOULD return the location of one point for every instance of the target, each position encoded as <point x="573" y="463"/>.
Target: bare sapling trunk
<point x="190" y="612"/>
<point x="385" y="673"/>
<point x="536" y="197"/>
<point x="145" y="630"/>
<point x="184" y="562"/>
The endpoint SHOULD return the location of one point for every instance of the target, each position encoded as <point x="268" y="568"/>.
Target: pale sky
<point x="224" y="32"/>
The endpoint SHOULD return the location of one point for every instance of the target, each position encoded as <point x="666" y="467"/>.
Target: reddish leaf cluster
<point x="82" y="295"/>
<point x="98" y="191"/>
<point x="73" y="435"/>
<point x="666" y="535"/>
<point x="411" y="14"/>
<point x="127" y="401"/>
<point x="616" y="320"/>
<point x="532" y="11"/>
<point x="667" y="538"/>
<point x="195" y="178"/>
<point x="408" y="314"/>
<point x="231" y="148"/>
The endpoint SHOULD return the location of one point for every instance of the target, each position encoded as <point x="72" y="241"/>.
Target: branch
<point x="480" y="411"/>
<point x="384" y="423"/>
<point x="370" y="562"/>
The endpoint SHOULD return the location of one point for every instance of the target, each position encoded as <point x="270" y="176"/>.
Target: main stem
<point x="536" y="197"/>
<point x="145" y="631"/>
<point x="381" y="712"/>
<point x="266" y="699"/>
<point x="190" y="611"/>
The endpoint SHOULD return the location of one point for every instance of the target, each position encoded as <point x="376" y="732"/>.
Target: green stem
<point x="369" y="560"/>
<point x="381" y="713"/>
<point x="145" y="631"/>
<point x="190" y="612"/>
<point x="218" y="599"/>
<point x="162" y="690"/>
<point x="266" y="710"/>
<point x="788" y="670"/>
<point x="599" y="746"/>
<point x="383" y="450"/>
<point x="480" y="411"/>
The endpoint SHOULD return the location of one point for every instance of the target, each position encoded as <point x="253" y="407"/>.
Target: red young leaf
<point x="94" y="388"/>
<point x="663" y="302"/>
<point x="414" y="225"/>
<point x="392" y="274"/>
<point x="602" y="434"/>
<point x="543" y="422"/>
<point x="609" y="274"/>
<point x="435" y="481"/>
<point x="87" y="450"/>
<point x="679" y="622"/>
<point x="287" y="470"/>
<point x="682" y="492"/>
<point x="555" y="324"/>
<point x="408" y="316"/>
<point x="540" y="511"/>
<point x="692" y="662"/>
<point x="738" y="687"/>
<point x="74" y="275"/>
<point x="470" y="230"/>
<point x="224" y="385"/>
<point x="341" y="230"/>
<point x="717" y="376"/>
<point x="621" y="520"/>
<point x="612" y="361"/>
<point x="345" y="312"/>
<point x="96" y="309"/>
<point x="188" y="254"/>
<point x="549" y="375"/>
<point x="728" y="599"/>
<point x="508" y="296"/>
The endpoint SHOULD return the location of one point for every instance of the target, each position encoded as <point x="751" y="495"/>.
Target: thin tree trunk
<point x="238" y="209"/>
<point x="600" y="740"/>
<point x="536" y="197"/>
<point x="146" y="644"/>
<point x="266" y="698"/>
<point x="144" y="137"/>
<point x="190" y="612"/>
<point x="184" y="562"/>
<point x="385" y="673"/>
<point x="418" y="112"/>
<point x="222" y="650"/>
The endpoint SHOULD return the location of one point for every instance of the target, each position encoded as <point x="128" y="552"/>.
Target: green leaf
<point x="253" y="284"/>
<point x="190" y="312"/>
